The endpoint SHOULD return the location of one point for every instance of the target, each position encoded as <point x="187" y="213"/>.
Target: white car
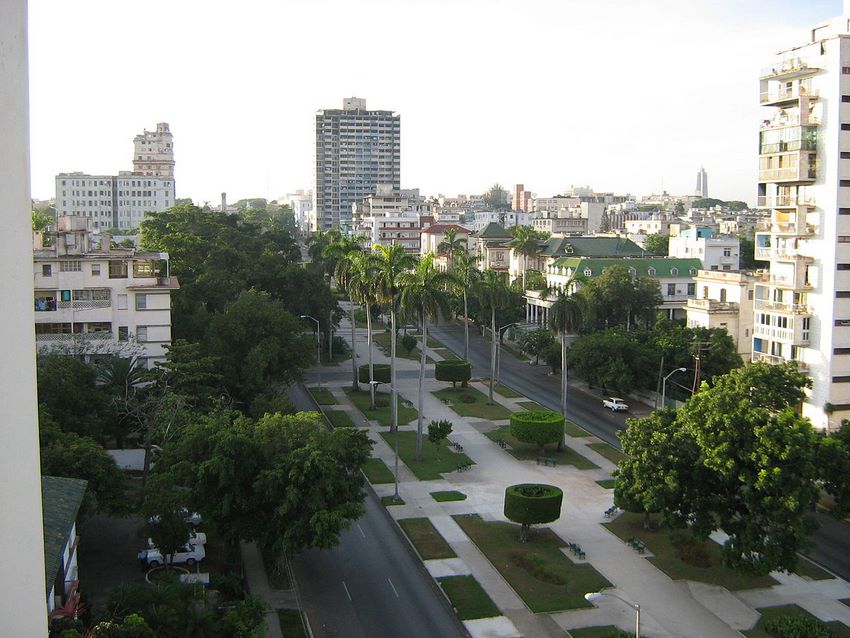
<point x="195" y="538"/>
<point x="192" y="518"/>
<point x="189" y="554"/>
<point x="615" y="404"/>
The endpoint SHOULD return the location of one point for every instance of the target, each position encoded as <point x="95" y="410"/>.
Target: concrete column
<point x="527" y="312"/>
<point x="23" y="606"/>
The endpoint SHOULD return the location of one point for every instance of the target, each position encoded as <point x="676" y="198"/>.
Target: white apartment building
<point x="96" y="301"/>
<point x="802" y="304"/>
<point x="356" y="149"/>
<point x="725" y="300"/>
<point x="301" y="203"/>
<point x="122" y="201"/>
<point x="505" y="218"/>
<point x="715" y="252"/>
<point x="654" y="225"/>
<point x="583" y="218"/>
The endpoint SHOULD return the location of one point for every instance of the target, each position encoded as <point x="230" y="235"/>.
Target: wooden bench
<point x="547" y="461"/>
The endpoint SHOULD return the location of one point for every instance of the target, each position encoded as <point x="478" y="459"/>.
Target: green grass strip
<point x="529" y="451"/>
<point x="472" y="403"/>
<point x="323" y="396"/>
<point x="447" y="496"/>
<point x="609" y="452"/>
<point x="339" y="419"/>
<point x="426" y="539"/>
<point x="507" y="392"/>
<point x="389" y="501"/>
<point x="430" y="467"/>
<point x="377" y="472"/>
<point x="382" y="413"/>
<point x="468" y="597"/>
<point x="608" y="484"/>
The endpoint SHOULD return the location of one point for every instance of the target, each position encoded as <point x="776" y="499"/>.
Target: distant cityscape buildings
<point x="356" y="149"/>
<point x="122" y="201"/>
<point x="702" y="183"/>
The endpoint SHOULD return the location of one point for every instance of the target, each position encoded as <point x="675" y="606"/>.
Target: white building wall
<point x="22" y="588"/>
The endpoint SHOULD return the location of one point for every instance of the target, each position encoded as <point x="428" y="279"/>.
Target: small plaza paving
<point x="463" y="533"/>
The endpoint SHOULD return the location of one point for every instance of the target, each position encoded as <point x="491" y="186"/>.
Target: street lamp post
<point x="664" y="386"/>
<point x="499" y="348"/>
<point x="318" y="348"/>
<point x="599" y="594"/>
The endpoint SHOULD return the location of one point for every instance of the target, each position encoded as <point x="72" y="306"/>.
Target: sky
<point x="623" y="96"/>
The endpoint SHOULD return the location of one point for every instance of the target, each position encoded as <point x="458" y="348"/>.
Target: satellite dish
<point x="534" y="196"/>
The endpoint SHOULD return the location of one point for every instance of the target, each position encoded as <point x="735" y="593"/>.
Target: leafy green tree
<point x="438" y="431"/>
<point x="452" y="244"/>
<point x="747" y="252"/>
<point x="41" y="219"/>
<point x="530" y="503"/>
<point x="833" y="459"/>
<point x="678" y="209"/>
<point x="526" y="242"/>
<point x="535" y="342"/>
<point x="657" y="244"/>
<point x="497" y="198"/>
<point x="408" y="342"/>
<point x="163" y="503"/>
<point x="552" y="356"/>
<point x="423" y="296"/>
<point x="565" y="317"/>
<point x="120" y="378"/>
<point x="191" y="373"/>
<point x="67" y="387"/>
<point x="388" y="264"/>
<point x="614" y="359"/>
<point x="615" y="298"/>
<point x="344" y="251"/>
<point x="465" y="268"/>
<point x="492" y="293"/>
<point x="133" y="626"/>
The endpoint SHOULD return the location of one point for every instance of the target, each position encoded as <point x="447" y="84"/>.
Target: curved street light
<point x="599" y="594"/>
<point x="664" y="386"/>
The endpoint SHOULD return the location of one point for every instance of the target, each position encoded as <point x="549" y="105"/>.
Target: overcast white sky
<point x="617" y="94"/>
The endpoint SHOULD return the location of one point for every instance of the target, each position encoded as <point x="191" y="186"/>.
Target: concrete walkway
<point x="258" y="585"/>
<point x="668" y="608"/>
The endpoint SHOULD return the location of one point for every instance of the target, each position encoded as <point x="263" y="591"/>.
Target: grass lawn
<point x="576" y="431"/>
<point x="530" y="405"/>
<point x="322" y="396"/>
<point x="468" y="597"/>
<point x="807" y="568"/>
<point x="611" y="453"/>
<point x="846" y="601"/>
<point x="471" y="402"/>
<point x="530" y="452"/>
<point x="381" y="414"/>
<point x="608" y="631"/>
<point x="516" y="352"/>
<point x="290" y="623"/>
<point x="506" y="392"/>
<point x="449" y="495"/>
<point x="667" y="558"/>
<point x="339" y="419"/>
<point x="382" y="339"/>
<point x="389" y="501"/>
<point x="377" y="472"/>
<point x="446" y="354"/>
<point x="426" y="539"/>
<point x="538" y="571"/>
<point x="429" y="468"/>
<point x="838" y="629"/>
<point x="608" y="484"/>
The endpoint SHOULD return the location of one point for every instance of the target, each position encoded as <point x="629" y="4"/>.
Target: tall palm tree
<point x="565" y="317"/>
<point x="492" y="292"/>
<point x="389" y="262"/>
<point x="423" y="296"/>
<point x="360" y="283"/>
<point x="452" y="244"/>
<point x="525" y="242"/>
<point x="338" y="253"/>
<point x="466" y="270"/>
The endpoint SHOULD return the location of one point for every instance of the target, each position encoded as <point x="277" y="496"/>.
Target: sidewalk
<point x="258" y="585"/>
<point x="668" y="608"/>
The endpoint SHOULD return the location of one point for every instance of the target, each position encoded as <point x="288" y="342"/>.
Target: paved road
<point x="370" y="585"/>
<point x="832" y="540"/>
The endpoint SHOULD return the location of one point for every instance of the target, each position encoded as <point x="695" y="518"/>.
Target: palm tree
<point x="423" y="295"/>
<point x="339" y="253"/>
<point x="389" y="262"/>
<point x="451" y="245"/>
<point x="525" y="242"/>
<point x="360" y="283"/>
<point x="492" y="292"/>
<point x="466" y="270"/>
<point x="565" y="317"/>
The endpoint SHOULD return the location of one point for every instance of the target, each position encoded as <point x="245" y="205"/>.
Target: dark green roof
<point x="60" y="503"/>
<point x="662" y="266"/>
<point x="493" y="231"/>
<point x="592" y="247"/>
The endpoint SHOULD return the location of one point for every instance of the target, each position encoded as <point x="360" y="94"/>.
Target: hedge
<point x="529" y="503"/>
<point x="380" y="372"/>
<point x="453" y="370"/>
<point x="537" y="426"/>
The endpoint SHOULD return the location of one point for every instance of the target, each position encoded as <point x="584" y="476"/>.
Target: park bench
<point x="637" y="545"/>
<point x="611" y="511"/>
<point x="501" y="443"/>
<point x="463" y="467"/>
<point x="547" y="461"/>
<point x="457" y="446"/>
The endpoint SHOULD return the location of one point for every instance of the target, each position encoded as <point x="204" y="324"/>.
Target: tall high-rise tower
<point x="154" y="152"/>
<point x="802" y="305"/>
<point x="356" y="149"/>
<point x="702" y="183"/>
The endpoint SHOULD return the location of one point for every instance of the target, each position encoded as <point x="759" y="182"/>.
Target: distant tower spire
<point x="702" y="183"/>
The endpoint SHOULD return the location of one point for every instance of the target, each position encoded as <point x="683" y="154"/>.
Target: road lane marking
<point x="393" y="586"/>
<point x="346" y="591"/>
<point x="362" y="533"/>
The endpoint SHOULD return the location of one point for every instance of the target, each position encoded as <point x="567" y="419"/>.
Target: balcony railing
<point x="776" y="306"/>
<point x="79" y="336"/>
<point x="712" y="305"/>
<point x="85" y="305"/>
<point x="789" y="66"/>
<point x="783" y="120"/>
<point x="776" y="360"/>
<point x="786" y="94"/>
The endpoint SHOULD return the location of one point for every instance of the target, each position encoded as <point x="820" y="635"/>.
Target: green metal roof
<point x="662" y="266"/>
<point x="493" y="231"/>
<point x="592" y="247"/>
<point x="61" y="499"/>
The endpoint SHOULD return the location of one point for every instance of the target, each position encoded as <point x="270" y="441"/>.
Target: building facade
<point x="356" y="149"/>
<point x="725" y="300"/>
<point x="122" y="201"/>
<point x="702" y="183"/>
<point x="715" y="252"/>
<point x="802" y="302"/>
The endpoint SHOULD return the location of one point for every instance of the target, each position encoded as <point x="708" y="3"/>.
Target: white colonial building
<point x="725" y="300"/>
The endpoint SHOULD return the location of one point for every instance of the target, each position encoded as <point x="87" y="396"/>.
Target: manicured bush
<point x="380" y="372"/>
<point x="790" y="626"/>
<point x="538" y="427"/>
<point x="408" y="342"/>
<point x="454" y="371"/>
<point x="530" y="503"/>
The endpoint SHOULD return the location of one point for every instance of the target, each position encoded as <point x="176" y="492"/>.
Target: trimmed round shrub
<point x="380" y="372"/>
<point x="453" y="370"/>
<point x="530" y="503"/>
<point x="538" y="427"/>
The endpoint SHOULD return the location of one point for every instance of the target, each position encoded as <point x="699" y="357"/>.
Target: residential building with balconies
<point x="99" y="300"/>
<point x="714" y="251"/>
<point x="725" y="300"/>
<point x="802" y="301"/>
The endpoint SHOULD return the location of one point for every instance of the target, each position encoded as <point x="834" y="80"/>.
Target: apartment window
<point x="141" y="302"/>
<point x="122" y="302"/>
<point x="843" y="266"/>
<point x="845" y="70"/>
<point x="73" y="265"/>
<point x="651" y="272"/>
<point x="841" y="351"/>
<point x="844" y="211"/>
<point x="46" y="270"/>
<point x="588" y="272"/>
<point x="845" y="155"/>
<point x="844" y="239"/>
<point x="845" y="127"/>
<point x="674" y="272"/>
<point x="845" y="98"/>
<point x="141" y="333"/>
<point x="844" y="182"/>
<point x="842" y="294"/>
<point x="95" y="270"/>
<point x="123" y="333"/>
<point x="117" y="269"/>
<point x="842" y="323"/>
<point x="692" y="290"/>
<point x="671" y="290"/>
<point x="714" y="267"/>
<point x="143" y="269"/>
<point x="727" y="252"/>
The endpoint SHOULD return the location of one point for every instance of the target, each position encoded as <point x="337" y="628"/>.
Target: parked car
<point x="615" y="404"/>
<point x="195" y="538"/>
<point x="188" y="554"/>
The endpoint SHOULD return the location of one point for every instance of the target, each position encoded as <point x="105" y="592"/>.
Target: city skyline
<point x="618" y="97"/>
